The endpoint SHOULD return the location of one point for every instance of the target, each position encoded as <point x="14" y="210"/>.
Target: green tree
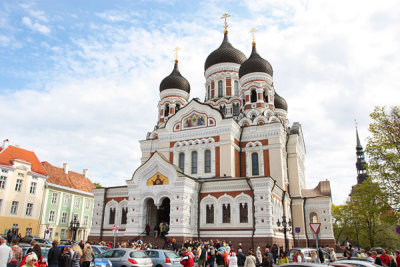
<point x="341" y="220"/>
<point x="97" y="185"/>
<point x="383" y="149"/>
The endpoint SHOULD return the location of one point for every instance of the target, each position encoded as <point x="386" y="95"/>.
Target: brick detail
<point x="118" y="199"/>
<point x="220" y="194"/>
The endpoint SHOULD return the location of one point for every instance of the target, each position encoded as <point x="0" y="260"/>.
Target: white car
<point x="358" y="263"/>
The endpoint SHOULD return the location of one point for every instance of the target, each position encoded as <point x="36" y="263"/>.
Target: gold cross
<point x="224" y="16"/>
<point x="176" y="53"/>
<point x="253" y="31"/>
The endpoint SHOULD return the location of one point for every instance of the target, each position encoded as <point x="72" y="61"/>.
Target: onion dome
<point x="255" y="63"/>
<point x="175" y="80"/>
<point x="225" y="53"/>
<point x="280" y="102"/>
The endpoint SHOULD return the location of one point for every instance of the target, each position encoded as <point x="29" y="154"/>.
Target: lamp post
<point x="285" y="225"/>
<point x="74" y="225"/>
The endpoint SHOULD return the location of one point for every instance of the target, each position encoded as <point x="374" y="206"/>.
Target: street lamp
<point x="285" y="229"/>
<point x="74" y="225"/>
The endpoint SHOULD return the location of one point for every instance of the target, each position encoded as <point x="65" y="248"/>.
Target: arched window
<point x="219" y="88"/>
<point x="209" y="213"/>
<point x="253" y="96"/>
<point x="266" y="97"/>
<point x="313" y="217"/>
<point x="243" y="210"/>
<point x="123" y="215"/>
<point x="207" y="161"/>
<point x="254" y="164"/>
<point x="226" y="213"/>
<point x="166" y="111"/>
<point x="235" y="109"/>
<point x="209" y="92"/>
<point x="194" y="162"/>
<point x="222" y="109"/>
<point x="236" y="85"/>
<point x="111" y="219"/>
<point x="244" y="101"/>
<point x="177" y="107"/>
<point x="182" y="161"/>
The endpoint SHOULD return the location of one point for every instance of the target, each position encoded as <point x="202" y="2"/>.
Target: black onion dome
<point x="280" y="102"/>
<point x="225" y="53"/>
<point x="175" y="80"/>
<point x="255" y="63"/>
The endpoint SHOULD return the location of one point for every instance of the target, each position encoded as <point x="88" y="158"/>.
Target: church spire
<point x="361" y="164"/>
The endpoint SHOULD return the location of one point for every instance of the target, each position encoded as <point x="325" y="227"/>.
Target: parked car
<point x="307" y="254"/>
<point x="127" y="257"/>
<point x="65" y="241"/>
<point x="98" y="250"/>
<point x="302" y="264"/>
<point x="163" y="258"/>
<point x="359" y="263"/>
<point x="28" y="238"/>
<point x="45" y="253"/>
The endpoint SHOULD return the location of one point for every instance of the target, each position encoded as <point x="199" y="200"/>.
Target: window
<point x="254" y="164"/>
<point x="18" y="185"/>
<point x="85" y="220"/>
<point x="4" y="171"/>
<point x="243" y="210"/>
<point x="64" y="217"/>
<point x="52" y="215"/>
<point x="236" y="88"/>
<point x="194" y="162"/>
<point x="222" y="109"/>
<point x="3" y="182"/>
<point x="14" y="207"/>
<point x="182" y="161"/>
<point x="29" y="208"/>
<point x="313" y="217"/>
<point x="210" y="213"/>
<point x="66" y="200"/>
<point x="124" y="215"/>
<point x="54" y="198"/>
<point x="111" y="219"/>
<point x="219" y="88"/>
<point x="87" y="204"/>
<point x="166" y="110"/>
<point x="235" y="109"/>
<point x="28" y="232"/>
<point x="209" y="92"/>
<point x="226" y="213"/>
<point x="177" y="107"/>
<point x="207" y="161"/>
<point x="62" y="234"/>
<point x="253" y="96"/>
<point x="20" y="174"/>
<point x="77" y="202"/>
<point x="33" y="188"/>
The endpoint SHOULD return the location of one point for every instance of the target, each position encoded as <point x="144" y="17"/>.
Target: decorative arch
<point x="226" y="208"/>
<point x="243" y="204"/>
<point x="111" y="213"/>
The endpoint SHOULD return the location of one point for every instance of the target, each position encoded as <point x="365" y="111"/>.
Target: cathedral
<point x="229" y="168"/>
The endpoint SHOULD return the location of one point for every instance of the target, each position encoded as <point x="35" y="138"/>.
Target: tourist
<point x="16" y="254"/>
<point x="211" y="256"/>
<point x="219" y="259"/>
<point x="296" y="256"/>
<point x="147" y="229"/>
<point x="225" y="255"/>
<point x="270" y="256"/>
<point x="332" y="254"/>
<point x="233" y="260"/>
<point x="76" y="257"/>
<point x="314" y="257"/>
<point x="30" y="260"/>
<point x="398" y="258"/>
<point x="87" y="256"/>
<point x="392" y="262"/>
<point x="156" y="230"/>
<point x="38" y="251"/>
<point x="258" y="255"/>
<point x="53" y="255"/>
<point x="241" y="258"/>
<point x="266" y="261"/>
<point x="9" y="236"/>
<point x="202" y="256"/>
<point x="250" y="260"/>
<point x="65" y="258"/>
<point x="5" y="253"/>
<point x="187" y="259"/>
<point x="369" y="257"/>
<point x="283" y="259"/>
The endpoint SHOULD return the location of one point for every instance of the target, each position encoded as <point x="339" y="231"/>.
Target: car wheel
<point x="158" y="265"/>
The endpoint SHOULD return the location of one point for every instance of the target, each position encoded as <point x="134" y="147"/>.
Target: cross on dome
<point x="253" y="31"/>
<point x="224" y="16"/>
<point x="176" y="53"/>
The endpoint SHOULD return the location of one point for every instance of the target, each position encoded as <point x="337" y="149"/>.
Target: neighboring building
<point x="361" y="164"/>
<point x="228" y="168"/>
<point x="67" y="195"/>
<point x="22" y="180"/>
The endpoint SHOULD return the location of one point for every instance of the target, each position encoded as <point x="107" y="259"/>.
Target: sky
<point x="79" y="80"/>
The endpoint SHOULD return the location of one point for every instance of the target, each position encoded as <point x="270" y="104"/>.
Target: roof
<point x="175" y="80"/>
<point x="72" y="179"/>
<point x="323" y="189"/>
<point x="15" y="153"/>
<point x="255" y="63"/>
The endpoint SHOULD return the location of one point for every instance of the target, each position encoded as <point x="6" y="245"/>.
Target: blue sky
<point x="79" y="79"/>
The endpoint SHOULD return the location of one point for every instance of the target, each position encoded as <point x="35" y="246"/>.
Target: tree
<point x="341" y="221"/>
<point x="97" y="185"/>
<point x="383" y="149"/>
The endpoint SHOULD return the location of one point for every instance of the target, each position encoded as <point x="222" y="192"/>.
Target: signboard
<point x="297" y="229"/>
<point x="398" y="229"/>
<point x="315" y="227"/>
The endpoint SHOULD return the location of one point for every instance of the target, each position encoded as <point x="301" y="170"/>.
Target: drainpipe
<point x="254" y="211"/>
<point x="102" y="215"/>
<point x="198" y="210"/>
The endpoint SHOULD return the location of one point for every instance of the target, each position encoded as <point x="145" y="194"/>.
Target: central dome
<point x="225" y="53"/>
<point x="175" y="81"/>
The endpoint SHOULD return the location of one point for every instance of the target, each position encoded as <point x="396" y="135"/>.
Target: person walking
<point x="88" y="255"/>
<point x="314" y="257"/>
<point x="241" y="258"/>
<point x="258" y="255"/>
<point x="233" y="260"/>
<point x="156" y="230"/>
<point x="76" y="257"/>
<point x="53" y="255"/>
<point x="266" y="261"/>
<point x="283" y="259"/>
<point x="187" y="259"/>
<point x="250" y="260"/>
<point x="5" y="253"/>
<point x="392" y="262"/>
<point x="332" y="254"/>
<point x="65" y="258"/>
<point x="202" y="257"/>
<point x="211" y="256"/>
<point x="385" y="258"/>
<point x="16" y="252"/>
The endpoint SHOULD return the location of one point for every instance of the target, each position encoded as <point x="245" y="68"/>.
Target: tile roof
<point x="72" y="179"/>
<point x="12" y="153"/>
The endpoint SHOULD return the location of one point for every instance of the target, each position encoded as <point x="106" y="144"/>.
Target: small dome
<point x="280" y="102"/>
<point x="225" y="53"/>
<point x="255" y="63"/>
<point x="175" y="80"/>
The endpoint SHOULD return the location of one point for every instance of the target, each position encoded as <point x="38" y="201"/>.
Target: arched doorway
<point x="163" y="211"/>
<point x="156" y="216"/>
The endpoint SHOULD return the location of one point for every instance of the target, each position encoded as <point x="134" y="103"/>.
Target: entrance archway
<point x="156" y="216"/>
<point x="163" y="211"/>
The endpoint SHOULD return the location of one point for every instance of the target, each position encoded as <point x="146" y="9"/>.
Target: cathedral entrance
<point x="156" y="216"/>
<point x="163" y="211"/>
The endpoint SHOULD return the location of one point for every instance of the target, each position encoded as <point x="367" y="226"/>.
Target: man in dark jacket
<point x="54" y="255"/>
<point x="241" y="258"/>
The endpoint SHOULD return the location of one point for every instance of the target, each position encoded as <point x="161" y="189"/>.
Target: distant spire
<point x="361" y="164"/>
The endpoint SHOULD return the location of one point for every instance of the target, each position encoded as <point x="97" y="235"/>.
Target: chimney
<point x="5" y="144"/>
<point x="85" y="172"/>
<point x="65" y="167"/>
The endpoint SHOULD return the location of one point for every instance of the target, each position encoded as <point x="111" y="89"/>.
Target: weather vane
<point x="253" y="31"/>
<point x="176" y="53"/>
<point x="224" y="16"/>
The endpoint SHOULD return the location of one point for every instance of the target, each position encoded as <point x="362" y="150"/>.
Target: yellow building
<point x="22" y="180"/>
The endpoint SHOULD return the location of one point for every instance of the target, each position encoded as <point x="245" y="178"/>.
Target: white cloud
<point x="35" y="26"/>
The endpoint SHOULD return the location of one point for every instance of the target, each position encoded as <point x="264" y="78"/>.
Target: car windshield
<point x="170" y="254"/>
<point x="104" y="249"/>
<point x="138" y="254"/>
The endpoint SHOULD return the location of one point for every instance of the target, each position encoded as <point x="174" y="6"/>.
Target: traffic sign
<point x="315" y="227"/>
<point x="297" y="229"/>
<point x="398" y="229"/>
<point x="114" y="227"/>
